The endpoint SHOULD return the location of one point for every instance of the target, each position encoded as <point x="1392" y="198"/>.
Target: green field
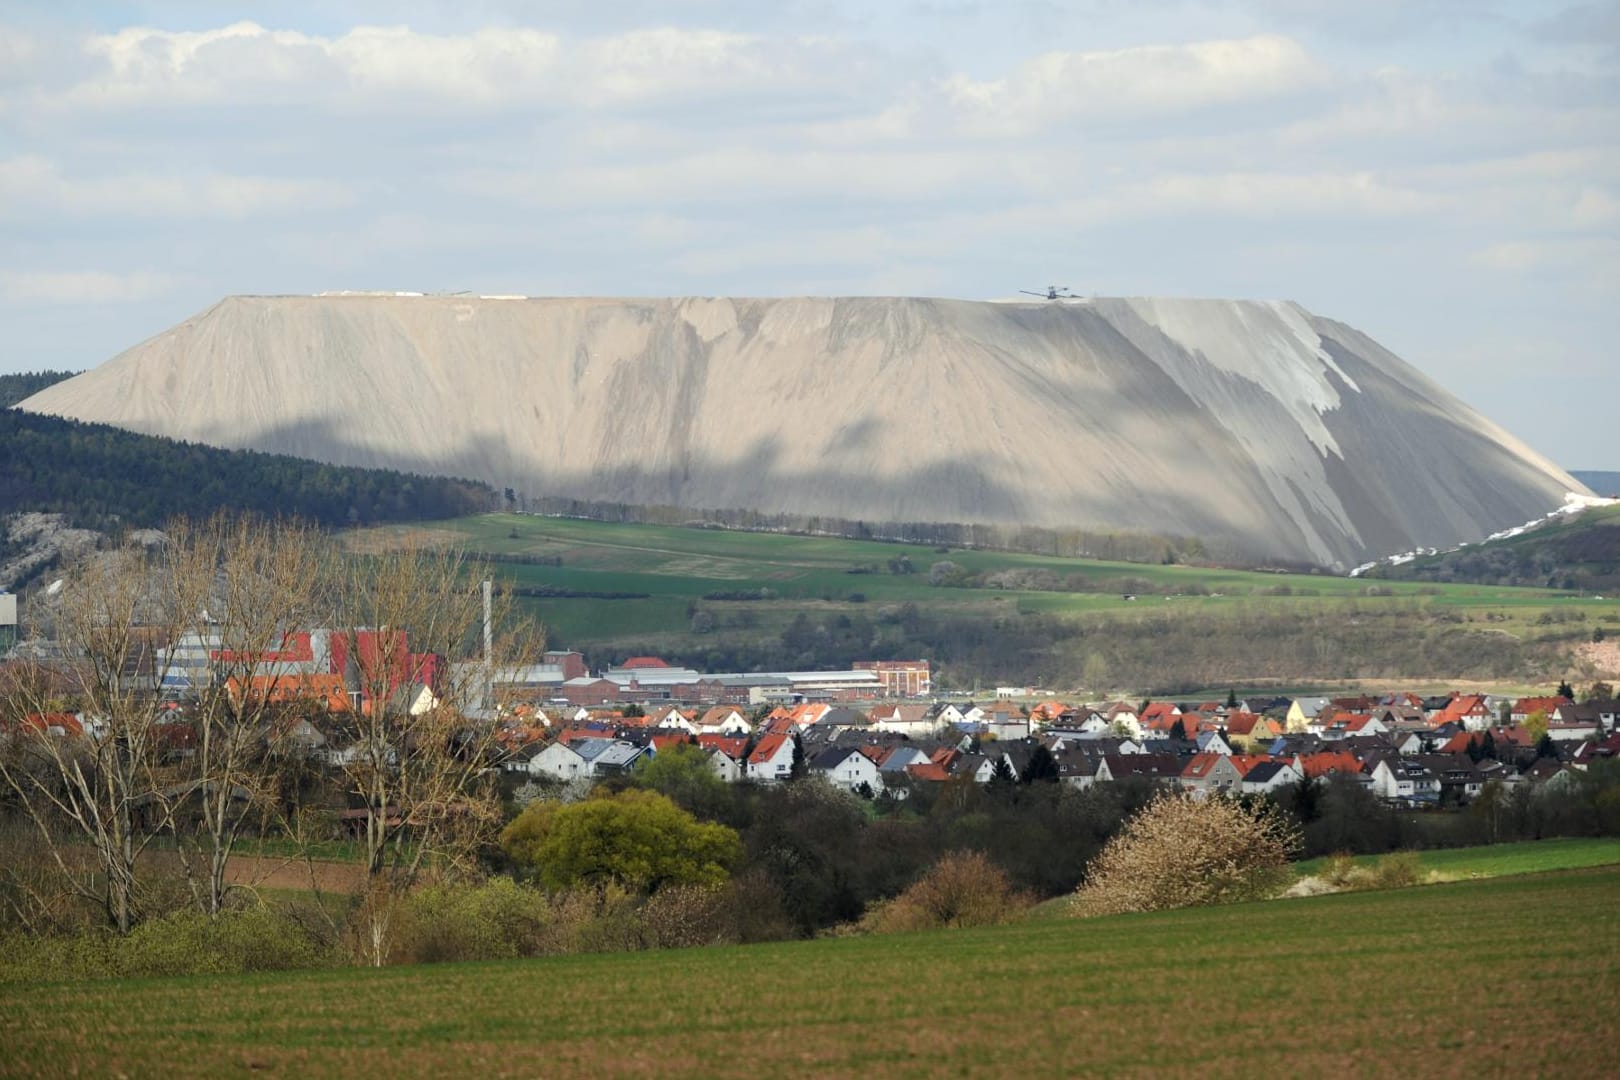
<point x="1500" y="860"/>
<point x="678" y="566"/>
<point x="1395" y="983"/>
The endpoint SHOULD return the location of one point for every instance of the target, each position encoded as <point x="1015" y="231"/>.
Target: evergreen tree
<point x="1231" y="699"/>
<point x="1042" y="768"/>
<point x="799" y="766"/>
<point x="1565" y="690"/>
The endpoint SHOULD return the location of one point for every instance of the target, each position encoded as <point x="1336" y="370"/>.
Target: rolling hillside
<point x="732" y="600"/>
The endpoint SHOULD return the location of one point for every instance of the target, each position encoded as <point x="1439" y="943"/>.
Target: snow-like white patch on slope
<point x="1574" y="503"/>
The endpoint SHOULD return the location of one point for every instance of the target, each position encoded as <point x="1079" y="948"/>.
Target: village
<point x="1406" y="749"/>
<point x="879" y="729"/>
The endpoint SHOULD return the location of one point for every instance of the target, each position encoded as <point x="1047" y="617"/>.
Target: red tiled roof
<point x="730" y="745"/>
<point x="1538" y="704"/>
<point x="43" y="722"/>
<point x="766" y="749"/>
<point x="1330" y="761"/>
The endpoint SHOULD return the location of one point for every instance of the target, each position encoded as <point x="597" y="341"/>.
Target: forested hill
<point x="1583" y="553"/>
<point x="100" y="477"/>
<point x="14" y="388"/>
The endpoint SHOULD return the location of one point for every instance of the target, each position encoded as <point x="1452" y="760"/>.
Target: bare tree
<point x="252" y="595"/>
<point x="85" y="782"/>
<point x="418" y="769"/>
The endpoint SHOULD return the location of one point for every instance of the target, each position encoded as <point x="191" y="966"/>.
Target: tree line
<point x="101" y="477"/>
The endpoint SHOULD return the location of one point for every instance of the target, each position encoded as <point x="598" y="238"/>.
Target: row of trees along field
<point x="1157" y="650"/>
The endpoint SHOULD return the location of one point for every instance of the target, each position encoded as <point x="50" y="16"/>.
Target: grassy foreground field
<point x="677" y="568"/>
<point x="1391" y="983"/>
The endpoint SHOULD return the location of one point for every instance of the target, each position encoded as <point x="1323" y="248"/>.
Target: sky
<point x="1442" y="174"/>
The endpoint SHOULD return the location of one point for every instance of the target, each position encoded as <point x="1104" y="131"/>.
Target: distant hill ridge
<point x="1267" y="431"/>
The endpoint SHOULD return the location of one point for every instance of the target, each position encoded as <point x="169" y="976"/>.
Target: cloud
<point x="374" y="69"/>
<point x="1142" y="81"/>
<point x="33" y="182"/>
<point x="84" y="286"/>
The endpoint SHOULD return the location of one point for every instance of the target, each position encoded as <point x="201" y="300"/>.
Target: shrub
<point x="962" y="889"/>
<point x="249" y="939"/>
<point x="1181" y="851"/>
<point x="594" y="920"/>
<point x="683" y="916"/>
<point x="1395" y="871"/>
<point x="254" y="938"/>
<point x="494" y="920"/>
<point x="640" y="840"/>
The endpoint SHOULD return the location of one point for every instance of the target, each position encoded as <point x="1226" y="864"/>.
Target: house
<point x="1249" y="731"/>
<point x="1122" y="717"/>
<point x="1078" y="770"/>
<point x="1601" y="713"/>
<point x="1550" y="775"/>
<point x="728" y="768"/>
<point x="1472" y="711"/>
<point x="1269" y="775"/>
<point x="607" y="756"/>
<point x="846" y="767"/>
<point x="1343" y="724"/>
<point x="1302" y="713"/>
<point x="911" y="720"/>
<point x="898" y="759"/>
<point x="772" y="759"/>
<point x="724" y="720"/>
<point x="559" y="761"/>
<point x="1404" y="780"/>
<point x="1162" y="767"/>
<point x="801" y="716"/>
<point x="1524" y="708"/>
<point x="59" y="725"/>
<point x="1460" y="779"/>
<point x="1084" y="722"/>
<point x="1004" y="721"/>
<point x="1211" y="772"/>
<point x="1326" y="762"/>
<point x="1211" y="742"/>
<point x="1159" y="716"/>
<point x="673" y="719"/>
<point x="977" y="766"/>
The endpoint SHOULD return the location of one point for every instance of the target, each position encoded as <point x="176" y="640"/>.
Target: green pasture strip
<point x="1302" y="987"/>
<point x="1500" y="860"/>
<point x="728" y="555"/>
<point x="678" y="569"/>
